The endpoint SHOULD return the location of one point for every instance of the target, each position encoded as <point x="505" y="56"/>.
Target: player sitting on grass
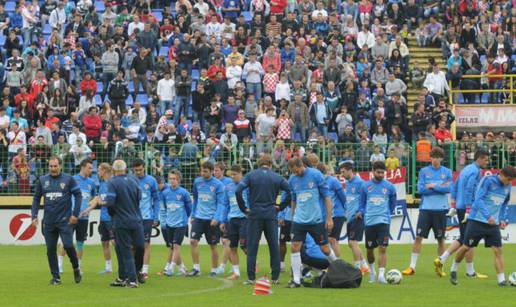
<point x="377" y="200"/>
<point x="489" y="214"/>
<point x="433" y="185"/>
<point x="178" y="208"/>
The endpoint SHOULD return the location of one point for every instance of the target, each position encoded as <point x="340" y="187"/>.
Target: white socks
<point x="364" y="264"/>
<point x="282" y="265"/>
<point x="331" y="256"/>
<point x="470" y="268"/>
<point x="372" y="272"/>
<point x="236" y="270"/>
<point x="454" y="266"/>
<point x="222" y="267"/>
<point x="296" y="266"/>
<point x="197" y="267"/>
<point x="413" y="260"/>
<point x="171" y="267"/>
<point x="501" y="277"/>
<point x="145" y="269"/>
<point x="167" y="266"/>
<point x="109" y="268"/>
<point x="381" y="273"/>
<point x="358" y="264"/>
<point x="444" y="256"/>
<point x="60" y="263"/>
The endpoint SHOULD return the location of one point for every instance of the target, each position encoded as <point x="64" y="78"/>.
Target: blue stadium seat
<point x="100" y="87"/>
<point x="47" y="29"/>
<point x="333" y="136"/>
<point x="482" y="59"/>
<point x="195" y="74"/>
<point x="130" y="86"/>
<point x="10" y="6"/>
<point x="143" y="99"/>
<point x="99" y="6"/>
<point x="98" y="100"/>
<point x="158" y="15"/>
<point x="129" y="101"/>
<point x="2" y="41"/>
<point x="194" y="85"/>
<point x="248" y="16"/>
<point x="163" y="51"/>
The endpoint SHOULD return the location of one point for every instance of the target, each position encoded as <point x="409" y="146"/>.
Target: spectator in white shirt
<point x="253" y="72"/>
<point x="4" y="119"/>
<point x="57" y="19"/>
<point x="436" y="83"/>
<point x="76" y="134"/>
<point x="136" y="24"/>
<point x="17" y="139"/>
<point x="233" y="73"/>
<point x="29" y="21"/>
<point x="203" y="7"/>
<point x="214" y="28"/>
<point x="166" y="92"/>
<point x="320" y="10"/>
<point x="282" y="88"/>
<point x="365" y="37"/>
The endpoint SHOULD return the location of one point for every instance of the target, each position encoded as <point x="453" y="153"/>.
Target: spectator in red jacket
<point x="92" y="124"/>
<point x="278" y="6"/>
<point x="51" y="119"/>
<point x="442" y="134"/>
<point x="38" y="84"/>
<point x="23" y="95"/>
<point x="215" y="68"/>
<point x="88" y="84"/>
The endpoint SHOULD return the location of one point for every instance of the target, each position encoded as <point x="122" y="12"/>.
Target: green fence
<point x="23" y="169"/>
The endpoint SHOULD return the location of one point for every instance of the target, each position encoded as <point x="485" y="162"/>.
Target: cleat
<point x="168" y="273"/>
<point x="364" y="270"/>
<point x="55" y="282"/>
<point x="453" y="278"/>
<point x="249" y="282"/>
<point x="381" y="280"/>
<point x="132" y="284"/>
<point x="292" y="285"/>
<point x="142" y="277"/>
<point x="477" y="275"/>
<point x="439" y="267"/>
<point x="118" y="283"/>
<point x="193" y="273"/>
<point x="408" y="271"/>
<point x="212" y="274"/>
<point x="233" y="277"/>
<point x="220" y="271"/>
<point x="77" y="275"/>
<point x="503" y="283"/>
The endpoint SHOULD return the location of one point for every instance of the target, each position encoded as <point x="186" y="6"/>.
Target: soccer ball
<point x="394" y="277"/>
<point x="512" y="279"/>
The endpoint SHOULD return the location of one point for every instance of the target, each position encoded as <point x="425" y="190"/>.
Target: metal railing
<point x="504" y="84"/>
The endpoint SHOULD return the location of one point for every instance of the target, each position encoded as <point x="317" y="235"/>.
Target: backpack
<point x="340" y="274"/>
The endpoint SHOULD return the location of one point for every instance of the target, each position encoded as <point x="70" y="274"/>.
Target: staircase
<point x="419" y="57"/>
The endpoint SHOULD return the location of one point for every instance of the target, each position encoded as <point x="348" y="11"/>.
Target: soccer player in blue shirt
<point x="338" y="198"/>
<point x="354" y="226"/>
<point x="218" y="172"/>
<point x="105" y="225"/>
<point x="235" y="221"/>
<point x="57" y="189"/>
<point x="489" y="214"/>
<point x="208" y="207"/>
<point x="434" y="184"/>
<point x="308" y="185"/>
<point x="88" y="190"/>
<point x="463" y="195"/>
<point x="149" y="206"/>
<point x="178" y="208"/>
<point x="285" y="223"/>
<point x="377" y="200"/>
<point x="312" y="257"/>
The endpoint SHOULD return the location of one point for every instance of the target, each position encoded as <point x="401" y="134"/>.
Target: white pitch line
<point x="226" y="284"/>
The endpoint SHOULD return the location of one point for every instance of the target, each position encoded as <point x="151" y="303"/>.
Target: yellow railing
<point x="508" y="89"/>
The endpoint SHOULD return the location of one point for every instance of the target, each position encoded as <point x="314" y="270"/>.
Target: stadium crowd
<point x="227" y="79"/>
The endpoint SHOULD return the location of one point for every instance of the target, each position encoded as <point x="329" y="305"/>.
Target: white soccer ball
<point x="512" y="279"/>
<point x="394" y="277"/>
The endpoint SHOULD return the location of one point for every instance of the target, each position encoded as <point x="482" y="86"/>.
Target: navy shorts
<point x="224" y="235"/>
<point x="462" y="226"/>
<point x="317" y="231"/>
<point x="106" y="231"/>
<point x="475" y="231"/>
<point x="430" y="219"/>
<point x="164" y="233"/>
<point x="147" y="230"/>
<point x="355" y="229"/>
<point x="377" y="235"/>
<point x="338" y="224"/>
<point x="286" y="232"/>
<point x="175" y="235"/>
<point x="81" y="230"/>
<point x="237" y="232"/>
<point x="200" y="227"/>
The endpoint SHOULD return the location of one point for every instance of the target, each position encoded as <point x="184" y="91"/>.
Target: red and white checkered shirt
<point x="269" y="82"/>
<point x="283" y="125"/>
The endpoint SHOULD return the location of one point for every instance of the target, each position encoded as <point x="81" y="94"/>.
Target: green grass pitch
<point x="25" y="275"/>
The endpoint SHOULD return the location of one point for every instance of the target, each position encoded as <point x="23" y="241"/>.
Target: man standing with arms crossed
<point x="123" y="202"/>
<point x="57" y="189"/>
<point x="264" y="186"/>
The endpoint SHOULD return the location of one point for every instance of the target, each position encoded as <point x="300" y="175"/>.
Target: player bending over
<point x="377" y="200"/>
<point x="308" y="187"/>
<point x="434" y="184"/>
<point x="487" y="216"/>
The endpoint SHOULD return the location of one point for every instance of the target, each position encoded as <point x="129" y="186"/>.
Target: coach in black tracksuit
<point x="57" y="189"/>
<point x="123" y="201"/>
<point x="264" y="186"/>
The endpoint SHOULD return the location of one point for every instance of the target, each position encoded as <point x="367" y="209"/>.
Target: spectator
<point x="229" y="142"/>
<point x="110" y="63"/>
<point x="442" y="134"/>
<point x="320" y="115"/>
<point x="183" y="90"/>
<point x="436" y="83"/>
<point x="264" y="130"/>
<point x="394" y="85"/>
<point x="283" y="126"/>
<point x="140" y="65"/>
<point x="118" y="92"/>
<point x="229" y="111"/>
<point x="79" y="151"/>
<point x="43" y="132"/>
<point x="166" y="92"/>
<point x="92" y="124"/>
<point x="252" y="73"/>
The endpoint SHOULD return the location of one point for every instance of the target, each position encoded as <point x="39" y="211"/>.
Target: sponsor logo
<point x="21" y="227"/>
<point x="62" y="185"/>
